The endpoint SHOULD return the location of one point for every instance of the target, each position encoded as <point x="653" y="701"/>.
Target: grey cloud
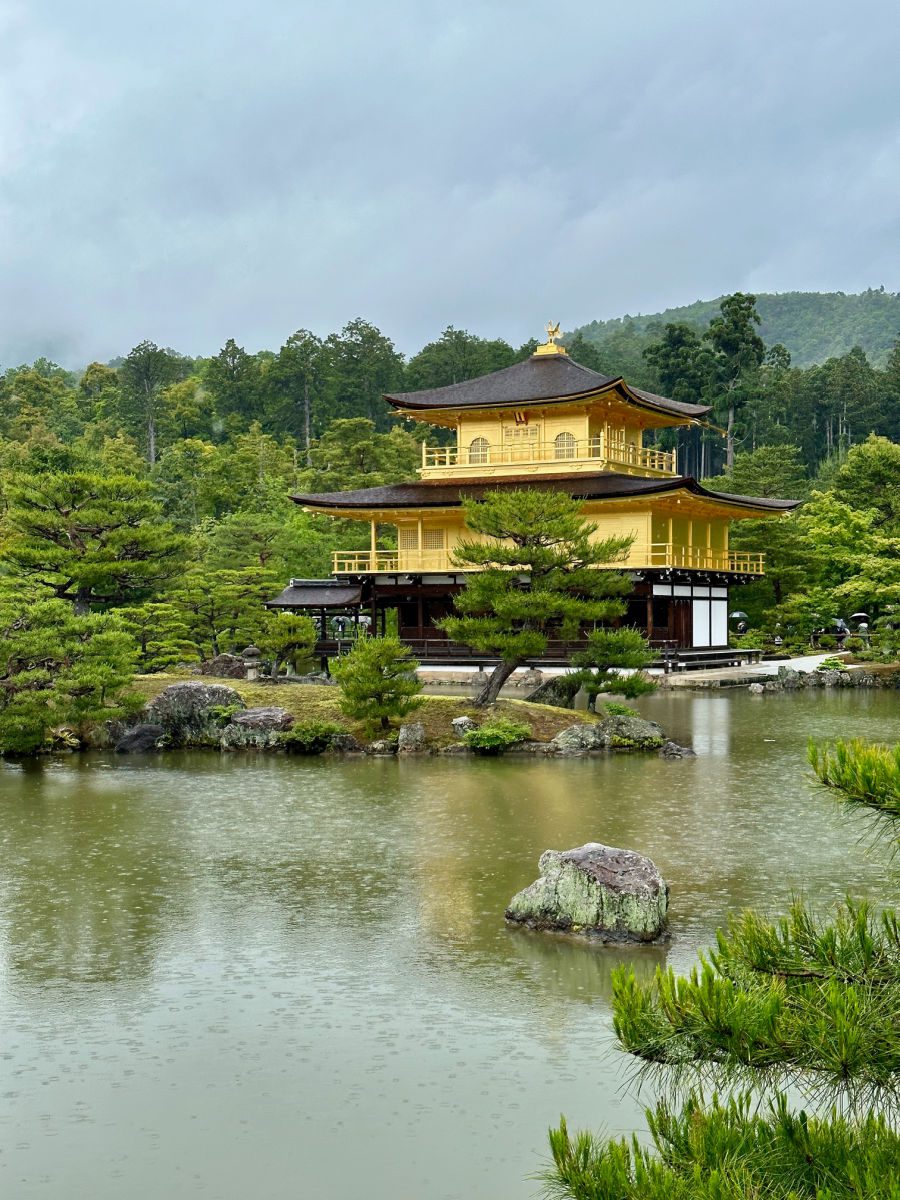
<point x="189" y="173"/>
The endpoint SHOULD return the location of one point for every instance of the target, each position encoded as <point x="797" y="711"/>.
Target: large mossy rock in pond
<point x="192" y="713"/>
<point x="632" y="733"/>
<point x="596" y="890"/>
<point x="255" y="729"/>
<point x="578" y="739"/>
<point x="612" y="733"/>
<point x="559" y="691"/>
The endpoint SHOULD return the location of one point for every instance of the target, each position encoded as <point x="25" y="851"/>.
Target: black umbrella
<point x="859" y="616"/>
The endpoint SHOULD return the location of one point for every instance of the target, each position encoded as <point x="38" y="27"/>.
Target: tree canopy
<point x="535" y="577"/>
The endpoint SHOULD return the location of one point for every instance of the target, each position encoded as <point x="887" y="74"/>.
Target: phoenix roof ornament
<point x="551" y="346"/>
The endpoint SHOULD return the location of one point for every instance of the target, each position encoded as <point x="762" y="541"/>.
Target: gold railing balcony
<point x="595" y="452"/>
<point x="660" y="554"/>
<point x="704" y="558"/>
<point x="391" y="562"/>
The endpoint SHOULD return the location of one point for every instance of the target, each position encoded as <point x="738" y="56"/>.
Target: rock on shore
<point x="190" y="713"/>
<point x="612" y="733"/>
<point x="596" y="890"/>
<point x="255" y="729"/>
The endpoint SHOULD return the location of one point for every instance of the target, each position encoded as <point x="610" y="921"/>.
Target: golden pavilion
<point x="551" y="423"/>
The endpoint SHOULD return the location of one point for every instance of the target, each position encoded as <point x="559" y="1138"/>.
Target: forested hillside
<point x="812" y="326"/>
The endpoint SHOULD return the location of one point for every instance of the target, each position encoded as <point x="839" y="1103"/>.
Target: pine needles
<point x="863" y="773"/>
<point x="799" y="1002"/>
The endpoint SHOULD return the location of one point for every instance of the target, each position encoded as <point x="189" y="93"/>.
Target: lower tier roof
<point x="605" y="485"/>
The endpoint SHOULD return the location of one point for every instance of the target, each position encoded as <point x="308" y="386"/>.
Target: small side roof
<point x="538" y="379"/>
<point x="316" y="593"/>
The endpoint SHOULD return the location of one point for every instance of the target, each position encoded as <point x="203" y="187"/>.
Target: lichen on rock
<point x="191" y="713"/>
<point x="255" y="728"/>
<point x="595" y="890"/>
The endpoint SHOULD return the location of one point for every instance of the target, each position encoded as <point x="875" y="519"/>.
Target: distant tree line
<point x="148" y="499"/>
<point x="758" y="397"/>
<point x="814" y="326"/>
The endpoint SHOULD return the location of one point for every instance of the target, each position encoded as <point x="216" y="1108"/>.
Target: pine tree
<point x="162" y="635"/>
<point x="535" y="577"/>
<point x="88" y="538"/>
<point x="797" y="1002"/>
<point x="59" y="669"/>
<point x="607" y="653"/>
<point x="378" y="681"/>
<point x="224" y="609"/>
<point x="288" y="637"/>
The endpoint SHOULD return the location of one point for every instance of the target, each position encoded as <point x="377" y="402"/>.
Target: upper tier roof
<point x="538" y="379"/>
<point x="605" y="485"/>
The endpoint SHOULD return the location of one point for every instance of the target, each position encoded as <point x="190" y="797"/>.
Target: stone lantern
<point x="251" y="657"/>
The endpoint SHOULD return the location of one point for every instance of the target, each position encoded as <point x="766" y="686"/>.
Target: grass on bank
<point x="314" y="702"/>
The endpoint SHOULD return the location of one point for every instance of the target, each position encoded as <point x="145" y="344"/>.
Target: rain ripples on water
<point x="239" y="976"/>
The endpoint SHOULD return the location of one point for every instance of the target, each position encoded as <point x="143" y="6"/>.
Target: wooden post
<point x="373" y="542"/>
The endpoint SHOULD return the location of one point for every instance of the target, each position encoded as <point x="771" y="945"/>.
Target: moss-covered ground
<point x="311" y="702"/>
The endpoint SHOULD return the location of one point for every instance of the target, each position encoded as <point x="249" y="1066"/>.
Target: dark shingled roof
<point x="316" y="593"/>
<point x="538" y="379"/>
<point x="606" y="485"/>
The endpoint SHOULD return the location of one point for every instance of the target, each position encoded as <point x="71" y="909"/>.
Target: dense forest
<point x="813" y="326"/>
<point x="145" y="513"/>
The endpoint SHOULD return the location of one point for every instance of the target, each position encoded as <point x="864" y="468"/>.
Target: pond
<point x="233" y="977"/>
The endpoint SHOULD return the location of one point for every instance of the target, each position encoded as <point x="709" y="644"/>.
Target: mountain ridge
<point x="814" y="326"/>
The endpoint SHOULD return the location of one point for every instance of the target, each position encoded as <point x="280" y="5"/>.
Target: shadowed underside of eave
<point x="605" y="485"/>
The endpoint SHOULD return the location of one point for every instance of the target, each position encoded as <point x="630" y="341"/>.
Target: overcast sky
<point x="188" y="170"/>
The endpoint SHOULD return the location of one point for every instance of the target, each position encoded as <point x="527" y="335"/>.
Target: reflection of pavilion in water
<point x="711" y="726"/>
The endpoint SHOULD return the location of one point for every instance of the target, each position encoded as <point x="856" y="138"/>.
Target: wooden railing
<point x="660" y="554"/>
<point x="600" y="449"/>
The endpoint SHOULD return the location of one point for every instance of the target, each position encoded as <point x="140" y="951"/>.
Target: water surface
<point x="234" y="977"/>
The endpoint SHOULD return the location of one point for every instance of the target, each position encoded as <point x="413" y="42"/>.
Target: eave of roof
<point x="606" y="485"/>
<point x="536" y="380"/>
<point x="316" y="593"/>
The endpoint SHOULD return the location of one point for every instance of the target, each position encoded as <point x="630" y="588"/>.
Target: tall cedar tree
<point x="145" y="373"/>
<point x="91" y="539"/>
<point x="534" y="576"/>
<point x="739" y="355"/>
<point x="797" y="1001"/>
<point x="378" y="681"/>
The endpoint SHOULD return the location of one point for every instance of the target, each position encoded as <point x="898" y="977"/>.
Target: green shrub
<point x="377" y="681"/>
<point x="613" y="709"/>
<point x="634" y="685"/>
<point x="221" y="714"/>
<point x="831" y="664"/>
<point x="827" y="641"/>
<point x="497" y="735"/>
<point x="309" y="737"/>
